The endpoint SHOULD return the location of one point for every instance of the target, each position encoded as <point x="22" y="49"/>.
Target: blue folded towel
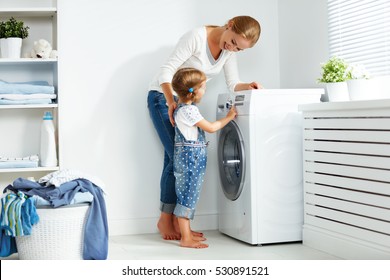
<point x="25" y="101"/>
<point x="26" y="87"/>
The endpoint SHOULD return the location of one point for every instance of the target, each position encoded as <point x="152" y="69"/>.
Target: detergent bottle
<point x="48" y="151"/>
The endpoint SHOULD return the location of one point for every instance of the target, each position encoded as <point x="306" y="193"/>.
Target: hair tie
<point x="190" y="90"/>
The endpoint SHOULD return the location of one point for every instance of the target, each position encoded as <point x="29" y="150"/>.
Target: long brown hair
<point x="186" y="81"/>
<point x="247" y="27"/>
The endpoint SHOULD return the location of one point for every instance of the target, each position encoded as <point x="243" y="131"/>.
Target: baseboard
<point x="148" y="225"/>
<point x="343" y="246"/>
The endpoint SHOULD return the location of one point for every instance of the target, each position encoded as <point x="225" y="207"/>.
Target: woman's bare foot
<point x="193" y="244"/>
<point x="166" y="228"/>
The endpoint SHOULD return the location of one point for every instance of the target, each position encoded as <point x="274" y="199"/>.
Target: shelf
<point x="27" y="61"/>
<point x="29" y="106"/>
<point x="36" y="169"/>
<point x="32" y="12"/>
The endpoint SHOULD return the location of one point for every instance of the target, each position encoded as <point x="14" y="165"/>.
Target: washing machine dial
<point x="229" y="104"/>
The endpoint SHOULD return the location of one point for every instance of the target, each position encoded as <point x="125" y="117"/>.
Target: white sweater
<point x="192" y="51"/>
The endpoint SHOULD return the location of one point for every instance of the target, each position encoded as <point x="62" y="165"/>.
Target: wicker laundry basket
<point x="59" y="234"/>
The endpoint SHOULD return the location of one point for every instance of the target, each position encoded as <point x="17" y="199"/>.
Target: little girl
<point x="190" y="155"/>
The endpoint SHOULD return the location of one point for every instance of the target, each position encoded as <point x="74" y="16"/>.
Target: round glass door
<point x="231" y="160"/>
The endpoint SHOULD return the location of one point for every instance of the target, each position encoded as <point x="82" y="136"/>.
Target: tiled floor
<point x="222" y="247"/>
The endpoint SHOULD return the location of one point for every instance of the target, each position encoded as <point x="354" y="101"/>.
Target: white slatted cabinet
<point x="347" y="178"/>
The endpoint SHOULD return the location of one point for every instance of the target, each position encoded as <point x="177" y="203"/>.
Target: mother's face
<point x="233" y="42"/>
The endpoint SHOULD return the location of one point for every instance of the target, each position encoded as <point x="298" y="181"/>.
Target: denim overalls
<point x="189" y="167"/>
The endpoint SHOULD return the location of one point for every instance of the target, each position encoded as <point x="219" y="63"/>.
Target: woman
<point x="209" y="49"/>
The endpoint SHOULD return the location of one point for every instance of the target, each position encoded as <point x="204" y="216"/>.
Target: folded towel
<point x="25" y="101"/>
<point x="18" y="164"/>
<point x="28" y="158"/>
<point x="27" y="96"/>
<point x="25" y="162"/>
<point x="26" y="87"/>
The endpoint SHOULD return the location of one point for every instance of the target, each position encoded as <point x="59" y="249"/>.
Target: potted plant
<point x="359" y="86"/>
<point x="335" y="74"/>
<point x="12" y="32"/>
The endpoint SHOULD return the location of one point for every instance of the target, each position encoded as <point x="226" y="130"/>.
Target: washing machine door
<point x="231" y="160"/>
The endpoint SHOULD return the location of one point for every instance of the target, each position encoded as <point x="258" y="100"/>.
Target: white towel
<point x="16" y="96"/>
<point x="28" y="158"/>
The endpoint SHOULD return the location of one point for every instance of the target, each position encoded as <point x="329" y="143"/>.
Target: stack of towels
<point x="35" y="92"/>
<point x="25" y="162"/>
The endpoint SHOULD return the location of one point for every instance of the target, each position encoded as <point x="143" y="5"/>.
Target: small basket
<point x="59" y="234"/>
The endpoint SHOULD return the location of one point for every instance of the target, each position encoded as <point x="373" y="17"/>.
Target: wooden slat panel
<point x="345" y="147"/>
<point x="353" y="135"/>
<point x="357" y="160"/>
<point x="354" y="220"/>
<point x="378" y="238"/>
<point x="355" y="196"/>
<point x="364" y="123"/>
<point x="352" y="207"/>
<point x="348" y="183"/>
<point x="348" y="171"/>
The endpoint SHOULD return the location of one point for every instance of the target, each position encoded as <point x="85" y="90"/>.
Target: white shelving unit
<point x="20" y="124"/>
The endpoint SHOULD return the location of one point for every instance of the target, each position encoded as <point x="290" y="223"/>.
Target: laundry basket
<point x="58" y="235"/>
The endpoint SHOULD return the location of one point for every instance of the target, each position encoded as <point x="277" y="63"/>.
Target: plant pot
<point x="337" y="91"/>
<point x="362" y="89"/>
<point x="10" y="47"/>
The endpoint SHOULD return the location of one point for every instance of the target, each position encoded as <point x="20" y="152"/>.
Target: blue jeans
<point x="158" y="111"/>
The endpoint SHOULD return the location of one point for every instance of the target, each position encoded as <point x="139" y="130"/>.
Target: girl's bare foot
<point x="177" y="228"/>
<point x="187" y="239"/>
<point x="193" y="244"/>
<point x="166" y="228"/>
<point x="198" y="238"/>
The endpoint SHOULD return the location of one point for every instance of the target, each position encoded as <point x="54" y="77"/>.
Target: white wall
<point x="109" y="51"/>
<point x="303" y="33"/>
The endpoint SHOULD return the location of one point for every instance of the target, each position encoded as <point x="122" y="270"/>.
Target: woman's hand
<point x="171" y="108"/>
<point x="248" y="86"/>
<point x="255" y="85"/>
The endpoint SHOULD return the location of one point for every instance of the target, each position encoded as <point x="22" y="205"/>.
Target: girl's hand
<point x="232" y="113"/>
<point x="171" y="109"/>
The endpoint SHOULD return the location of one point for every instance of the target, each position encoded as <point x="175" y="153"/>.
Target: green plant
<point x="13" y="28"/>
<point x="335" y="70"/>
<point x="358" y="71"/>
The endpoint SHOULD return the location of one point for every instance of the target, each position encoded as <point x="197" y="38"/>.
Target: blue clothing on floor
<point x="96" y="227"/>
<point x="190" y="158"/>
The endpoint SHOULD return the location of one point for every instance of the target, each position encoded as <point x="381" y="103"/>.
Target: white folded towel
<point x="28" y="158"/>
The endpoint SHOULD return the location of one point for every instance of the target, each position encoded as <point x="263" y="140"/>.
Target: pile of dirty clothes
<point x="65" y="187"/>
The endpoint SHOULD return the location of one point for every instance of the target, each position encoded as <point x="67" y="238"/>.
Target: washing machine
<point x="260" y="199"/>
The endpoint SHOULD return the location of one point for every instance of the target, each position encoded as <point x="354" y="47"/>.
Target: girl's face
<point x="233" y="42"/>
<point x="200" y="92"/>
